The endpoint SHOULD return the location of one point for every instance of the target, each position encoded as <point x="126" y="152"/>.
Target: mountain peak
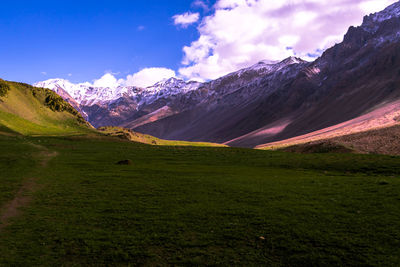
<point x="53" y="81"/>
<point x="170" y="86"/>
<point x="166" y="82"/>
<point x="389" y="12"/>
<point x="292" y="60"/>
<point x="371" y="22"/>
<point x="286" y="61"/>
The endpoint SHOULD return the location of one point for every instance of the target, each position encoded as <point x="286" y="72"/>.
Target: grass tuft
<point x="4" y="88"/>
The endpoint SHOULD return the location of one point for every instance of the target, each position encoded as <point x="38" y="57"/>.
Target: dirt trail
<point x="21" y="199"/>
<point x="24" y="195"/>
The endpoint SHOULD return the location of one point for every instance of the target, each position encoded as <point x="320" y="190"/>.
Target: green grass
<point x="16" y="160"/>
<point x="198" y="206"/>
<point x="22" y="126"/>
<point x="35" y="111"/>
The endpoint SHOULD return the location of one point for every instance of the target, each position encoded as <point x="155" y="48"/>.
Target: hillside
<point x="28" y="110"/>
<point x="384" y="140"/>
<point x="380" y="119"/>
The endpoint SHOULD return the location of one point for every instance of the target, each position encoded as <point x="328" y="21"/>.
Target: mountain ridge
<point x="144" y="101"/>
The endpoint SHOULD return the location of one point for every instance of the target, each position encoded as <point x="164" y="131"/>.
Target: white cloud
<point x="148" y="76"/>
<point x="107" y="80"/>
<point x="201" y="4"/>
<point x="241" y="32"/>
<point x="372" y="6"/>
<point x="144" y="78"/>
<point x="43" y="73"/>
<point x="186" y="19"/>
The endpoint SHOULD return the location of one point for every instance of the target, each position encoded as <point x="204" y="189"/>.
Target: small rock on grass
<point x="124" y="162"/>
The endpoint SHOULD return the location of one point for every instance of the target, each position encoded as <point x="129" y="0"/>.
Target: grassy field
<point x="194" y="205"/>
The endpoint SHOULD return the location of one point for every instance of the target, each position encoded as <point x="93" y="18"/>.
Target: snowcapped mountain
<point x="167" y="88"/>
<point x="377" y="28"/>
<point x="88" y="95"/>
<point x="371" y="23"/>
<point x="265" y="66"/>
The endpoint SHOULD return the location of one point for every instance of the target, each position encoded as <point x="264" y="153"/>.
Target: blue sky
<point x="137" y="42"/>
<point x="87" y="38"/>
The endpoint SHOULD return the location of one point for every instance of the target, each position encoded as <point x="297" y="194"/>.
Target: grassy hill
<point x="28" y="110"/>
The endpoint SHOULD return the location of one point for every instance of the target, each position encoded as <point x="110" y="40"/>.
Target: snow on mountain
<point x="251" y="76"/>
<point x="272" y="66"/>
<point x="371" y="23"/>
<point x="167" y="87"/>
<point x="388" y="13"/>
<point x="173" y="84"/>
<point x="88" y="95"/>
<point x="267" y="66"/>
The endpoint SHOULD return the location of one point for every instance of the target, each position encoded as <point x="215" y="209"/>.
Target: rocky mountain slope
<point x="267" y="102"/>
<point x="386" y="116"/>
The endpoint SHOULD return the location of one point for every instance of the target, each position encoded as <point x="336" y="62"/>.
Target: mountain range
<point x="354" y="83"/>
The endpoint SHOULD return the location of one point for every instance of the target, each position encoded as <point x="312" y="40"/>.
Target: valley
<point x="281" y="163"/>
